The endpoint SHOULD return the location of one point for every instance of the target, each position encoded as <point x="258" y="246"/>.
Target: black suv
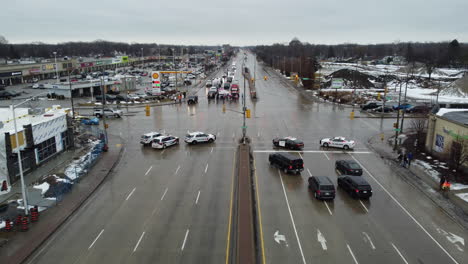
<point x="371" y="105"/>
<point x="356" y="186"/>
<point x="348" y="167"/>
<point x="192" y="99"/>
<point x="286" y="162"/>
<point x="322" y="187"/>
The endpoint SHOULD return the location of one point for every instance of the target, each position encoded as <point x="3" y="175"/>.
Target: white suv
<point x="108" y="112"/>
<point x="199" y="137"/>
<point x="163" y="142"/>
<point x="147" y="138"/>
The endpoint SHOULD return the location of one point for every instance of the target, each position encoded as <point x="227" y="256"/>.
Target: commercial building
<point x="42" y="134"/>
<point x="447" y="134"/>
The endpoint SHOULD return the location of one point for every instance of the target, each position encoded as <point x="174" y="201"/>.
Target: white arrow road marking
<point x="452" y="238"/>
<point x="321" y="239"/>
<point x="92" y="244"/>
<point x="399" y="253"/>
<point x="367" y="238"/>
<point x="278" y="238"/>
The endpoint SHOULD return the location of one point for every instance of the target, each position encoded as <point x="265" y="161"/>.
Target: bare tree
<point x="3" y="40"/>
<point x="419" y="127"/>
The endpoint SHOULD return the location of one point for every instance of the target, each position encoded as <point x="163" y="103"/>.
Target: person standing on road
<point x="410" y="158"/>
<point x="443" y="179"/>
<point x="405" y="161"/>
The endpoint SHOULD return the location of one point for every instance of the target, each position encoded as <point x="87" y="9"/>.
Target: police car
<point x="147" y="138"/>
<point x="337" y="142"/>
<point x="199" y="137"/>
<point x="163" y="142"/>
<point x="288" y="142"/>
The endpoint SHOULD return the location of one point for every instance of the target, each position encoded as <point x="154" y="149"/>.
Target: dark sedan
<point x="288" y="142"/>
<point x="348" y="167"/>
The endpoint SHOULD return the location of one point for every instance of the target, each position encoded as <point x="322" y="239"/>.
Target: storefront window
<point x="46" y="149"/>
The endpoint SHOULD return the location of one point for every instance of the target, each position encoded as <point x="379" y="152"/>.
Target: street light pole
<point x="56" y="67"/>
<point x="142" y="61"/>
<point x="71" y="95"/>
<point x="103" y="102"/>
<point x="244" y="129"/>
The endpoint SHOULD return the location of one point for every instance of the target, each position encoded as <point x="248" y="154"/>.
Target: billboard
<point x="155" y="83"/>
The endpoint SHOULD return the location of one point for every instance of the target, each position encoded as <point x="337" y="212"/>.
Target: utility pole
<point x="71" y="95"/>
<point x="244" y="128"/>
<point x="398" y="119"/>
<point x="406" y="91"/>
<point x="284" y="64"/>
<point x="103" y="95"/>
<point x="56" y="67"/>
<point x="255" y="71"/>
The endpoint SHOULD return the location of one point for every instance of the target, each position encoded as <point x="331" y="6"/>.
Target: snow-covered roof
<point x="459" y="115"/>
<point x="443" y="111"/>
<point x="23" y="118"/>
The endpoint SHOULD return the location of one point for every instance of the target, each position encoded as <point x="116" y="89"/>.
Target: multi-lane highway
<point x="174" y="205"/>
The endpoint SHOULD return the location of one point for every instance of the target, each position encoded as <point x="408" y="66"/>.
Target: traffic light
<point x="265" y="78"/>
<point x="378" y="96"/>
<point x="351" y="115"/>
<point x="247" y="113"/>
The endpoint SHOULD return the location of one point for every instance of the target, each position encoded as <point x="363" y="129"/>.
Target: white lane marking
<point x="321" y="239"/>
<point x="326" y="204"/>
<point x="164" y="194"/>
<point x="258" y="134"/>
<point x="177" y="170"/>
<point x="326" y="156"/>
<point x="308" y="171"/>
<point x="312" y="151"/>
<point x="130" y="194"/>
<point x="162" y="152"/>
<point x="407" y="212"/>
<point x="366" y="236"/>
<point x="292" y="219"/>
<point x="363" y="205"/>
<point x="185" y="240"/>
<point x="139" y="240"/>
<point x="198" y="196"/>
<point x="300" y="155"/>
<point x="206" y="168"/>
<point x="399" y="253"/>
<point x="352" y="254"/>
<point x="148" y="170"/>
<point x="92" y="244"/>
<point x="234" y="135"/>
<point x="211" y="149"/>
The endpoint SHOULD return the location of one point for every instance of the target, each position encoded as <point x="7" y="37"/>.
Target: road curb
<point x="23" y="253"/>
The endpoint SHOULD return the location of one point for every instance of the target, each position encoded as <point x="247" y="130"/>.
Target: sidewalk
<point x="20" y="245"/>
<point x="419" y="177"/>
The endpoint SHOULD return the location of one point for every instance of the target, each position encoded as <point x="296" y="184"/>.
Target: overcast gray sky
<point x="237" y="22"/>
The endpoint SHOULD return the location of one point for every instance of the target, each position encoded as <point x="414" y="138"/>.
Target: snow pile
<point x="44" y="187"/>
<point x="81" y="166"/>
<point x="435" y="175"/>
<point x="458" y="186"/>
<point x="443" y="111"/>
<point x="463" y="196"/>
<point x="458" y="88"/>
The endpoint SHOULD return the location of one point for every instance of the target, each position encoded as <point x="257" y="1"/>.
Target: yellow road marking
<point x="259" y="214"/>
<point x="230" y="209"/>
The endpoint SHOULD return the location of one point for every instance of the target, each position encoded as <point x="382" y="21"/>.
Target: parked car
<point x="348" y="167"/>
<point x="199" y="137"/>
<point x="322" y="187"/>
<point x="90" y="121"/>
<point x="379" y="109"/>
<point x="288" y="142"/>
<point x="147" y="139"/>
<point x="371" y="105"/>
<point x="403" y="106"/>
<point x="227" y="86"/>
<point x="419" y="109"/>
<point x="286" y="162"/>
<point x="192" y="99"/>
<point x="8" y="94"/>
<point x="209" y="84"/>
<point x="109" y="98"/>
<point x="108" y="112"/>
<point x="355" y="186"/>
<point x="337" y="142"/>
<point x="163" y="142"/>
<point x="211" y="95"/>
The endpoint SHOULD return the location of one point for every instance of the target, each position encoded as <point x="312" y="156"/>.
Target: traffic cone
<point x="18" y="220"/>
<point x="24" y="224"/>
<point x="34" y="215"/>
<point x="7" y="225"/>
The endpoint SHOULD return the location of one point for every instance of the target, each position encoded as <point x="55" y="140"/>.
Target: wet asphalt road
<point x="173" y="205"/>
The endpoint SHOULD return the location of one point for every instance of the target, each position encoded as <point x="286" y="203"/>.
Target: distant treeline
<point x="292" y="56"/>
<point x="92" y="49"/>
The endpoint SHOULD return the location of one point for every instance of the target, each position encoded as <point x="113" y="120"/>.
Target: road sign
<point x="244" y="127"/>
<point x="337" y="83"/>
<point x="397" y="129"/>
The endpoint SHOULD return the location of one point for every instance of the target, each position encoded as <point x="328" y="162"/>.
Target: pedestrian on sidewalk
<point x="405" y="161"/>
<point x="443" y="179"/>
<point x="410" y="158"/>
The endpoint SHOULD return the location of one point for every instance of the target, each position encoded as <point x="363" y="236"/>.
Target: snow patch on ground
<point x="463" y="196"/>
<point x="435" y="175"/>
<point x="458" y="186"/>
